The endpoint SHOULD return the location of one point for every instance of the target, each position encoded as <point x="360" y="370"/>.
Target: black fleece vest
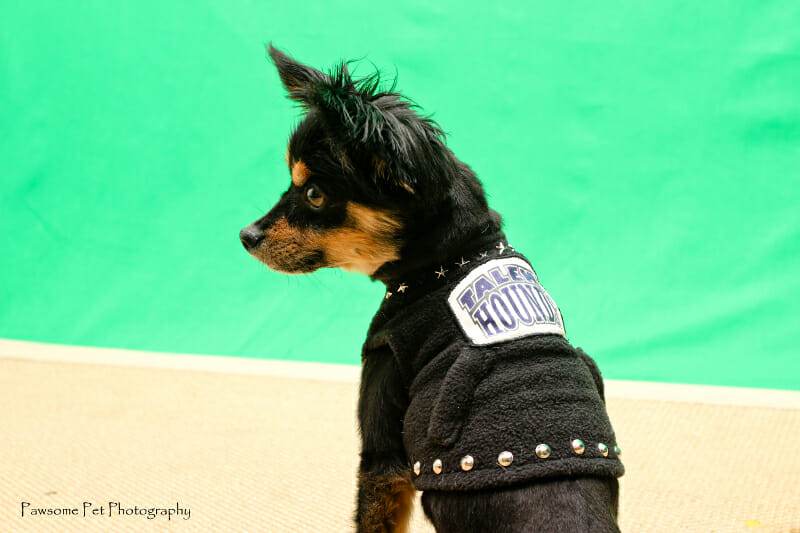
<point x="491" y="378"/>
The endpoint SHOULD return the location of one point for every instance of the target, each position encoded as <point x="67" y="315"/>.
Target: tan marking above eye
<point x="300" y="173"/>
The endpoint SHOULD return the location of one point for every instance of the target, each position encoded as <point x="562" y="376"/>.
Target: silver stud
<point x="501" y="247"/>
<point x="417" y="468"/>
<point x="617" y="451"/>
<point x="388" y="295"/>
<point x="603" y="449"/>
<point x="578" y="446"/>
<point x="483" y="254"/>
<point x="543" y="451"/>
<point x="402" y="287"/>
<point x="437" y="466"/>
<point x="441" y="272"/>
<point x="505" y="458"/>
<point x="462" y="262"/>
<point x="467" y="462"/>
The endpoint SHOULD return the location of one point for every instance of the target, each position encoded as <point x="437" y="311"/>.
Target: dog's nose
<point x="250" y="237"/>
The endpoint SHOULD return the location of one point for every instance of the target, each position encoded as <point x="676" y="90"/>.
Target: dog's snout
<point x="251" y="236"/>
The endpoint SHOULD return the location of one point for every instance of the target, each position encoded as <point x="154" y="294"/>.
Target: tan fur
<point x="390" y="510"/>
<point x="382" y="172"/>
<point x="365" y="242"/>
<point x="362" y="244"/>
<point x="374" y="221"/>
<point x="380" y="167"/>
<point x="281" y="231"/>
<point x="283" y="248"/>
<point x="407" y="187"/>
<point x="300" y="173"/>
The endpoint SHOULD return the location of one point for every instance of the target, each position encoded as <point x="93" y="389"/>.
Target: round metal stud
<point x="543" y="451"/>
<point x="505" y="458"/>
<point x="437" y="466"/>
<point x="417" y="468"/>
<point x="618" y="451"/>
<point x="603" y="449"/>
<point x="467" y="462"/>
<point x="578" y="446"/>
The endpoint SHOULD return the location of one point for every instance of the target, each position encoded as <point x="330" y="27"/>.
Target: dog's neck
<point x="427" y="265"/>
<point x="461" y="226"/>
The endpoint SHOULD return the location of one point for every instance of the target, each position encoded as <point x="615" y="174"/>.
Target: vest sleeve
<point x="598" y="380"/>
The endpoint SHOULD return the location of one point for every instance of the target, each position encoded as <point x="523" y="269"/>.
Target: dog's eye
<point x="314" y="197"/>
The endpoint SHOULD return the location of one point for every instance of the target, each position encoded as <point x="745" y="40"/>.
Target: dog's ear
<point x="405" y="151"/>
<point x="408" y="150"/>
<point x="298" y="79"/>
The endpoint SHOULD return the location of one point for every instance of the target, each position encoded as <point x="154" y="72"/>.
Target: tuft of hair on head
<point x="376" y="126"/>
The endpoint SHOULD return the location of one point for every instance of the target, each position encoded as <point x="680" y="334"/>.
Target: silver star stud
<point x="483" y="254"/>
<point x="441" y="272"/>
<point x="388" y="295"/>
<point x="501" y="247"/>
<point x="402" y="287"/>
<point x="462" y="263"/>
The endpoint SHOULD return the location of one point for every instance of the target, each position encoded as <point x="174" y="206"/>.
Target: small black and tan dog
<point x="470" y="391"/>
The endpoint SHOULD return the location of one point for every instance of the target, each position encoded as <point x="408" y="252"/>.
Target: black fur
<point x="372" y="147"/>
<point x="550" y="506"/>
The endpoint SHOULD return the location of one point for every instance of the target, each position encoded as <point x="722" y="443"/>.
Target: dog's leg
<point x="385" y="490"/>
<point x="384" y="502"/>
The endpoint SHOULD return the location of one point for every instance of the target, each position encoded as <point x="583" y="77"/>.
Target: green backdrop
<point x="645" y="157"/>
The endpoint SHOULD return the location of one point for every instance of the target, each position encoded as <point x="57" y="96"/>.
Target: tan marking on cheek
<point x="300" y="173"/>
<point x="366" y="241"/>
<point x="374" y="221"/>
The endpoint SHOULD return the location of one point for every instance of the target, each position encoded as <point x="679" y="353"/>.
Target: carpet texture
<point x="271" y="454"/>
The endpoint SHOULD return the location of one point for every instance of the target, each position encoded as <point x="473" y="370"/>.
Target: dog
<point x="470" y="391"/>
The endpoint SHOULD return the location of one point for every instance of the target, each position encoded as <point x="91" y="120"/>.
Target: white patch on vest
<point x="502" y="300"/>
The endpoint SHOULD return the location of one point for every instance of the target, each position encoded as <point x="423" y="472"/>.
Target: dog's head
<point x="363" y="165"/>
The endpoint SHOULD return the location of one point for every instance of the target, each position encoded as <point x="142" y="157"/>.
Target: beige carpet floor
<point x="270" y="454"/>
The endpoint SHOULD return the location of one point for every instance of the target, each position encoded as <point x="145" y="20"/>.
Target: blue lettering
<point x="528" y="275"/>
<point x="498" y="277"/>
<point x="527" y="290"/>
<point x="482" y="286"/>
<point x="466" y="299"/>
<point x="527" y="319"/>
<point x="513" y="272"/>
<point x="505" y="317"/>
<point x="551" y="316"/>
<point x="485" y="320"/>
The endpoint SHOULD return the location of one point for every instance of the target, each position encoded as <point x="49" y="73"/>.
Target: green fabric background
<point x="645" y="157"/>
